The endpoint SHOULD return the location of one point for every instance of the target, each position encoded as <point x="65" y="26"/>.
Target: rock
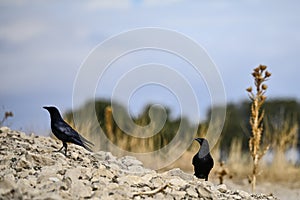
<point x="66" y="183"/>
<point x="192" y="192"/>
<point x="179" y="173"/>
<point x="102" y="172"/>
<point x="130" y="180"/>
<point x="159" y="196"/>
<point x="222" y="188"/>
<point x="45" y="173"/>
<point x="39" y="159"/>
<point x="244" y="194"/>
<point x="22" y="163"/>
<point x="177" y="182"/>
<point x="204" y="193"/>
<point x="48" y="196"/>
<point x="80" y="190"/>
<point x="236" y="197"/>
<point x="156" y="181"/>
<point x="4" y="129"/>
<point x="136" y="169"/>
<point x="24" y="184"/>
<point x="73" y="174"/>
<point x="7" y="184"/>
<point x="114" y="167"/>
<point x="130" y="161"/>
<point x="54" y="179"/>
<point x="178" y="194"/>
<point x="29" y="169"/>
<point x="24" y="174"/>
<point x="101" y="155"/>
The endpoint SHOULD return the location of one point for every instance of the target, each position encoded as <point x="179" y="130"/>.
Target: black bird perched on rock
<point x="65" y="132"/>
<point x="202" y="161"/>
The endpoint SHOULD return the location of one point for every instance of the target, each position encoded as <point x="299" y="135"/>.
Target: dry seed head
<point x="267" y="74"/>
<point x="8" y="114"/>
<point x="255" y="74"/>
<point x="264" y="86"/>
<point x="263" y="67"/>
<point x="256" y="69"/>
<point x="263" y="98"/>
<point x="249" y="89"/>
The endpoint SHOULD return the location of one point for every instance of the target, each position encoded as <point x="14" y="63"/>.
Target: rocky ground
<point x="29" y="169"/>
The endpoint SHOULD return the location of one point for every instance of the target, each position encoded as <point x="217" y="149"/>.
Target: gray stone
<point x="24" y="184"/>
<point x="130" y="161"/>
<point x="157" y="181"/>
<point x="179" y="173"/>
<point x="23" y="164"/>
<point x="136" y="169"/>
<point x="222" y="188"/>
<point x="244" y="194"/>
<point x="73" y="174"/>
<point x="130" y="180"/>
<point x="39" y="159"/>
<point x="204" y="192"/>
<point x="4" y="129"/>
<point x="48" y="196"/>
<point x="7" y="183"/>
<point x="159" y="196"/>
<point x="102" y="172"/>
<point x="80" y="190"/>
<point x="101" y="155"/>
<point x="236" y="197"/>
<point x="192" y="192"/>
<point x="178" y="194"/>
<point x="177" y="182"/>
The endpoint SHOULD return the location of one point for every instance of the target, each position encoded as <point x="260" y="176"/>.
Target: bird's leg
<point x="59" y="149"/>
<point x="66" y="147"/>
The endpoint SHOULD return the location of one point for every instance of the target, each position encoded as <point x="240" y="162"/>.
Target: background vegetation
<point x="282" y="117"/>
<point x="280" y="131"/>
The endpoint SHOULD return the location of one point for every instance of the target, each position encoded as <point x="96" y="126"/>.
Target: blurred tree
<point x="236" y="122"/>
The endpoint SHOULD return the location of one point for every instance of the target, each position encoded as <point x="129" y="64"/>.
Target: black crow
<point x="202" y="161"/>
<point x="65" y="132"/>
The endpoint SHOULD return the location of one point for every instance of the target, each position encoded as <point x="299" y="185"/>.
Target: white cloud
<point x="104" y="4"/>
<point x="14" y="2"/>
<point x="159" y="2"/>
<point x="21" y="30"/>
<point x="126" y="4"/>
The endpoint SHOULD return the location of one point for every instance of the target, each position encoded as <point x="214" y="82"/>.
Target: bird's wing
<point x="87" y="144"/>
<point x="63" y="127"/>
<point x="74" y="136"/>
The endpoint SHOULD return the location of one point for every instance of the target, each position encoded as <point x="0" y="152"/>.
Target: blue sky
<point x="44" y="43"/>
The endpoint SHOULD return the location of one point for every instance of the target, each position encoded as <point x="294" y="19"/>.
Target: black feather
<point x="65" y="132"/>
<point x="202" y="161"/>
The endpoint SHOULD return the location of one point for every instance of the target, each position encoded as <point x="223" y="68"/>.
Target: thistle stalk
<point x="258" y="98"/>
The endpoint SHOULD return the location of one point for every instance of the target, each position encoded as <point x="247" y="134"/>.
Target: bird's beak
<point x="196" y="139"/>
<point x="45" y="107"/>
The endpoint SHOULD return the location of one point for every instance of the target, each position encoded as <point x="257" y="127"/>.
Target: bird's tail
<point x="87" y="144"/>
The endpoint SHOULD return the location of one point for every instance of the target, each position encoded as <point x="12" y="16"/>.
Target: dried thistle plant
<point x="222" y="172"/>
<point x="5" y="117"/>
<point x="258" y="98"/>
